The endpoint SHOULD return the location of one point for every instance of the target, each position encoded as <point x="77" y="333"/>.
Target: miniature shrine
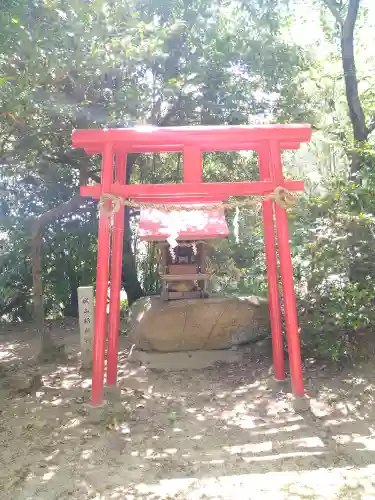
<point x="113" y="194"/>
<point x="182" y="238"/>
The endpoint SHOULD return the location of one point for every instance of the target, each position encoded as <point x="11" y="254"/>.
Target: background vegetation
<point x="101" y="63"/>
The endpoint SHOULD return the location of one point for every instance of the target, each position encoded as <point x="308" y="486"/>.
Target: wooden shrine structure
<point x="114" y="144"/>
<point x="182" y="238"/>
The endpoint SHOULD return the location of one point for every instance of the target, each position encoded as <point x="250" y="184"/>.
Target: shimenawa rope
<point x="109" y="204"/>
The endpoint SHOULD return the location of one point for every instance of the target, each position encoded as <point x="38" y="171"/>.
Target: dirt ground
<point x="226" y="432"/>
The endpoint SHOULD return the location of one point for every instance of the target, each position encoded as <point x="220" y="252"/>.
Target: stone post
<point x="86" y="323"/>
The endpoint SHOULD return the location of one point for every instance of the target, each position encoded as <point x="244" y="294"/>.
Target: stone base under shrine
<point x="215" y="323"/>
<point x="187" y="360"/>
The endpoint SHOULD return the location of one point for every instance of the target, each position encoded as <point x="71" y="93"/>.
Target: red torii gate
<point x="114" y="145"/>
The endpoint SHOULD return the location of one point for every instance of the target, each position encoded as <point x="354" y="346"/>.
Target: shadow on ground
<point x="224" y="432"/>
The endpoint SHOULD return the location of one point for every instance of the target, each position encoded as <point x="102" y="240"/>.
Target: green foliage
<point x="76" y="64"/>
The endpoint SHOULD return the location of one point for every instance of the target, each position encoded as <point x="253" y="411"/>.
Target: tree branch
<point x="64" y="208"/>
<point x="56" y="212"/>
<point x="335" y="8"/>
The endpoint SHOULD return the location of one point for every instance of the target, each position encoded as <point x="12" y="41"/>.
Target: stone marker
<point x="86" y="323"/>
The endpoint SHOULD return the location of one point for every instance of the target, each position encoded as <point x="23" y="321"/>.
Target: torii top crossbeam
<point x="192" y="141"/>
<point x="114" y="145"/>
<point x="207" y="138"/>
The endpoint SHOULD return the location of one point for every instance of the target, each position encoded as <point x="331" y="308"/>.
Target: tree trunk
<point x="129" y="270"/>
<point x="129" y="275"/>
<point x="38" y="304"/>
<point x="36" y="263"/>
<point x="357" y="273"/>
<point x="39" y="224"/>
<point x="71" y="309"/>
<point x="356" y="113"/>
<point x="357" y="118"/>
<point x="151" y="278"/>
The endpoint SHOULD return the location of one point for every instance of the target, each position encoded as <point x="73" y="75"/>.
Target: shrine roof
<point x="158" y="225"/>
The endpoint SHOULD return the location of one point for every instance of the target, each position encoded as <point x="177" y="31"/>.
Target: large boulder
<point x="192" y="324"/>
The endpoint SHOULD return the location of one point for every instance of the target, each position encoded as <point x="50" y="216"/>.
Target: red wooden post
<point x="115" y="289"/>
<point x="102" y="285"/>
<point x="272" y="270"/>
<point x="286" y="270"/>
<point x="192" y="164"/>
